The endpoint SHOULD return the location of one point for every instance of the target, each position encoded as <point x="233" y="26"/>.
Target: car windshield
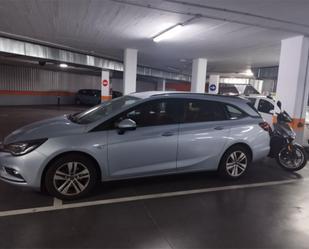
<point x="95" y="113"/>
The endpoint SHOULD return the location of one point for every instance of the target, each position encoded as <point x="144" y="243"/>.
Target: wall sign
<point x="105" y="82"/>
<point x="212" y="87"/>
<point x="105" y="86"/>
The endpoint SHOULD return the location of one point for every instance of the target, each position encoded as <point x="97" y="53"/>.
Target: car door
<point x="152" y="147"/>
<point x="203" y="133"/>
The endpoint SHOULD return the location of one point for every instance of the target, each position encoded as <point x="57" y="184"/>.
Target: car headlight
<point x="22" y="148"/>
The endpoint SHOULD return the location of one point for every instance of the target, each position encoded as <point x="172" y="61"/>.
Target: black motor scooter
<point x="288" y="154"/>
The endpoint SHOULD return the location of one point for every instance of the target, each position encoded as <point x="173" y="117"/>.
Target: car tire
<point x="71" y="177"/>
<point x="235" y="162"/>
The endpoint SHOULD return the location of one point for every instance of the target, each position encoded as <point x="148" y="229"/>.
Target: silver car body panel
<point x="146" y="151"/>
<point x="53" y="127"/>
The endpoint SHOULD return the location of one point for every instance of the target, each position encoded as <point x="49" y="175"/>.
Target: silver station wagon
<point x="137" y="135"/>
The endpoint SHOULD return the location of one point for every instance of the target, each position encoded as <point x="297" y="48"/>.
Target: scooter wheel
<point x="289" y="164"/>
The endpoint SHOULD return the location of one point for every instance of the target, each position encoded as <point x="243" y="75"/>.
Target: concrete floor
<point x="268" y="208"/>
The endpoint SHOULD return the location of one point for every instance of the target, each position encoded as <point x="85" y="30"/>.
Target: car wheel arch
<point x="95" y="163"/>
<point x="241" y="144"/>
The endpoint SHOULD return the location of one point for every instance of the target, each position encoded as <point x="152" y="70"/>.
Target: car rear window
<point x="254" y="109"/>
<point x="234" y="113"/>
<point x="203" y="111"/>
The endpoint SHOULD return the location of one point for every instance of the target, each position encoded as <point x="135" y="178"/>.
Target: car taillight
<point x="265" y="126"/>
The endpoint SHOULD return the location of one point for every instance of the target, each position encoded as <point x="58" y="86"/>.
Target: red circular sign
<point x="105" y="82"/>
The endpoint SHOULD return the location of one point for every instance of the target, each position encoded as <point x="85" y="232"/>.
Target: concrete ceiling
<point x="232" y="34"/>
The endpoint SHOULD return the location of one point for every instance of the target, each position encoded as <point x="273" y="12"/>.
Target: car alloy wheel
<point x="71" y="178"/>
<point x="236" y="163"/>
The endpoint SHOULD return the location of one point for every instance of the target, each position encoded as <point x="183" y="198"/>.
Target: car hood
<point x="53" y="127"/>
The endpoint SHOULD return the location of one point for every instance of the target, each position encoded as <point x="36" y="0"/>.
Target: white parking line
<point x="58" y="203"/>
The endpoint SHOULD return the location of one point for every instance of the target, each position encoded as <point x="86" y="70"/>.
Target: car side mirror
<point x="279" y="104"/>
<point x="126" y="125"/>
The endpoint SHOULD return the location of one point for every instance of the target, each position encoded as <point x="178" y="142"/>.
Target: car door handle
<point x="167" y="134"/>
<point x="219" y="128"/>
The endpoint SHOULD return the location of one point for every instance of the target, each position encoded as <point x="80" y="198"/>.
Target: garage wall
<point x="178" y="86"/>
<point x="23" y="85"/>
<point x="26" y="85"/>
<point x="141" y="86"/>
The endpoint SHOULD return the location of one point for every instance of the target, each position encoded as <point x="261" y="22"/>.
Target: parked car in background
<point x="92" y="96"/>
<point x="116" y="94"/>
<point x="88" y="97"/>
<point x="137" y="135"/>
<point x="236" y="89"/>
<point x="266" y="106"/>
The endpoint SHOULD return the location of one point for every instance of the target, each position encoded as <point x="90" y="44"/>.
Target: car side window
<point x="265" y="106"/>
<point x="162" y="112"/>
<point x="203" y="111"/>
<point x="234" y="112"/>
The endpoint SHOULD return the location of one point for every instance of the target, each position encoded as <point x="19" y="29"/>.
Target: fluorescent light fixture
<point x="168" y="33"/>
<point x="63" y="65"/>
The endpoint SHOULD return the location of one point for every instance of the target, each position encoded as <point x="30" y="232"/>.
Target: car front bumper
<point x="23" y="170"/>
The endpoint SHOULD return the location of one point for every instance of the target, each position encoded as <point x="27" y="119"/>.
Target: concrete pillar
<point x="198" y="82"/>
<point x="213" y="87"/>
<point x="292" y="87"/>
<point x="161" y="85"/>
<point x="105" y="86"/>
<point x="129" y="74"/>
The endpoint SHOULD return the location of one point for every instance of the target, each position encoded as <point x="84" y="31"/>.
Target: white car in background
<point x="265" y="106"/>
